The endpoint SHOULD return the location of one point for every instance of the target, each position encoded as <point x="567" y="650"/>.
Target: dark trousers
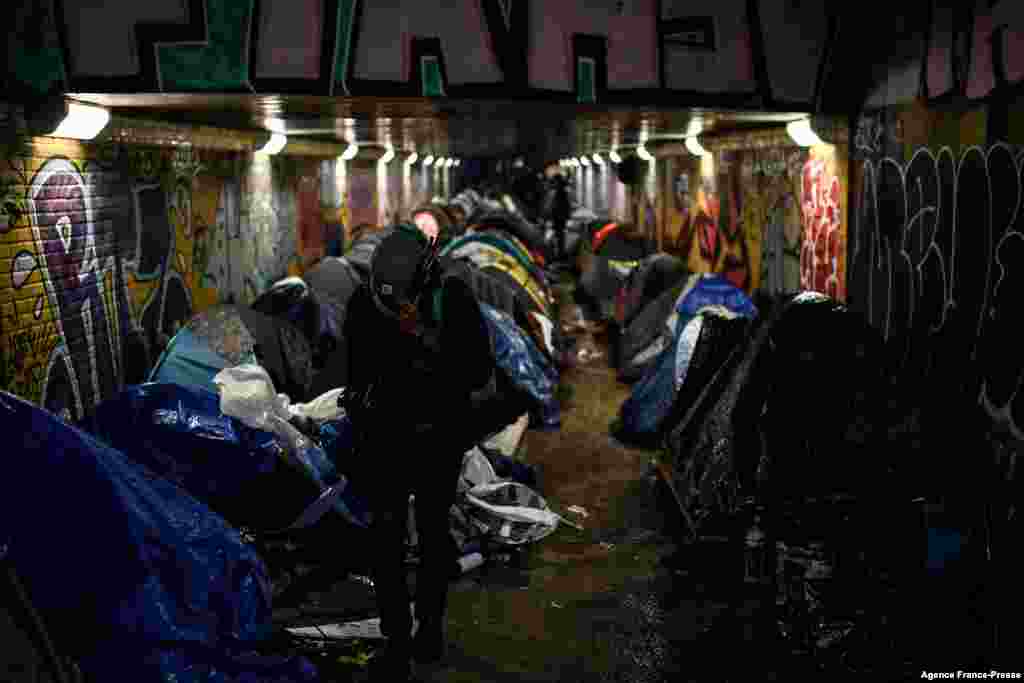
<point x="413" y="466"/>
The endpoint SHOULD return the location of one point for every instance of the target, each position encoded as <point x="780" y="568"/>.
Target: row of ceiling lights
<point x="85" y="122"/>
<point x="801" y="131"/>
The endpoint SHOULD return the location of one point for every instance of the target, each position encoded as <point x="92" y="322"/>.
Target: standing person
<point x="557" y="207"/>
<point x="418" y="348"/>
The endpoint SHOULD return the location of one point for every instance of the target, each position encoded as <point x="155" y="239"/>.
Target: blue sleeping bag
<point x="651" y="400"/>
<point x="526" y="366"/>
<point x="136" y="579"/>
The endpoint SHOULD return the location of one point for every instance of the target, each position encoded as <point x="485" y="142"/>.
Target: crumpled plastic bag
<point x="476" y="470"/>
<point x="322" y="408"/>
<point x="512" y="514"/>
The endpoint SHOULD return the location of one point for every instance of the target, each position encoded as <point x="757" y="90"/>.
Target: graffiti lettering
<point x="936" y="263"/>
<point x="820" y="253"/>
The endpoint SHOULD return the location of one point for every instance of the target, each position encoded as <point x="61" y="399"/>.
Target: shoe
<point x="430" y="645"/>
<point x="390" y="664"/>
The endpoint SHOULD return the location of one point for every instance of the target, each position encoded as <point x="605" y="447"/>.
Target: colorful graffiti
<point x="768" y="219"/>
<point x="107" y="250"/>
<point x="822" y="252"/>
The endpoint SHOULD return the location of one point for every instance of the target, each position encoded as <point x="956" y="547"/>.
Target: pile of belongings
<point x="753" y="441"/>
<point x="137" y="580"/>
<point x="709" y="310"/>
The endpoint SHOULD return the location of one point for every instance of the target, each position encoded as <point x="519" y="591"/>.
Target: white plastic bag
<point x="476" y="470"/>
<point x="247" y="393"/>
<point x="513" y="513"/>
<point x="322" y="408"/>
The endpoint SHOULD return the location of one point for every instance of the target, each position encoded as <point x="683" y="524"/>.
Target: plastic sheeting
<point x="526" y="366"/>
<point x="137" y="579"/>
<point x="645" y="411"/>
<point x="180" y="433"/>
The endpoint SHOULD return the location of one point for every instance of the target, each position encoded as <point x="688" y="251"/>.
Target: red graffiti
<point x="819" y="255"/>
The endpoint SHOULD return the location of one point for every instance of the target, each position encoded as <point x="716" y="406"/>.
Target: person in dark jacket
<point x="419" y="349"/>
<point x="558" y="208"/>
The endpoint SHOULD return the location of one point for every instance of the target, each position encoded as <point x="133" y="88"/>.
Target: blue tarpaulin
<point x="179" y="432"/>
<point x="526" y="365"/>
<point x="188" y="360"/>
<point x="136" y="579"/>
<point x="651" y="400"/>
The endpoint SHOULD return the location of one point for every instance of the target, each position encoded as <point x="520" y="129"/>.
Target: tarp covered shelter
<point x="136" y="579"/>
<point x="644" y="413"/>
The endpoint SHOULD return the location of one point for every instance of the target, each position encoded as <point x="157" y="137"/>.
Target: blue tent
<point x="644" y="412"/>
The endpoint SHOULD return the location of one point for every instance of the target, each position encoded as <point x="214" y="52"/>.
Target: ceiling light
<point x="429" y="160"/>
<point x="82" y="122"/>
<point x="350" y="152"/>
<point x="275" y="144"/>
<point x="411" y="159"/>
<point x="641" y="151"/>
<point x="614" y="156"/>
<point x="450" y="163"/>
<point x="585" y="161"/>
<point x="388" y="155"/>
<point x="597" y="159"/>
<point x="694" y="147"/>
<point x="802" y="133"/>
<point x="458" y="162"/>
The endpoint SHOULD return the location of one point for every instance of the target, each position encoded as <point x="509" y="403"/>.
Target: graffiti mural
<point x="934" y="264"/>
<point x="822" y="253"/>
<point x="108" y="250"/>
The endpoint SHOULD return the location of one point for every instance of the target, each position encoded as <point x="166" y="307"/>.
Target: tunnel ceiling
<point x="460" y="128"/>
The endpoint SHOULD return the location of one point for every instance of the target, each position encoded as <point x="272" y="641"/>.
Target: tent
<point x="333" y="280"/>
<point x="226" y="335"/>
<point x="613" y="258"/>
<point x="655" y="275"/>
<point x="514" y="225"/>
<point x="644" y="413"/>
<point x="360" y="254"/>
<point x="135" y="579"/>
<point x="483" y="251"/>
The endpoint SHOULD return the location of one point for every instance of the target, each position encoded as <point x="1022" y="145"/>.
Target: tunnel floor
<point x="608" y="603"/>
<point x="602" y="604"/>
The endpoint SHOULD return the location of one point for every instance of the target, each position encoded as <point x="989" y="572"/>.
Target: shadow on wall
<point x="107" y="250"/>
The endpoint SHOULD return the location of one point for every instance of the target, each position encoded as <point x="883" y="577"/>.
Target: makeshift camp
<point x="640" y="344"/>
<point x="644" y="412"/>
<point x="136" y="580"/>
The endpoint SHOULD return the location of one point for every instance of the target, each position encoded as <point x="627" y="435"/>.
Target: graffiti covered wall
<point x="937" y="238"/>
<point x="770" y="219"/>
<point x="105" y="250"/>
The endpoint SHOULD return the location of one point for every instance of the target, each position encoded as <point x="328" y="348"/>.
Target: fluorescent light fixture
<point x="449" y="163"/>
<point x="614" y="156"/>
<point x="411" y="159"/>
<point x="82" y="122"/>
<point x="597" y="159"/>
<point x="641" y="151"/>
<point x="350" y="152"/>
<point x="458" y="162"/>
<point x="585" y="161"/>
<point x="802" y="133"/>
<point x="388" y="155"/>
<point x="275" y="144"/>
<point x="429" y="160"/>
<point x="694" y="147"/>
